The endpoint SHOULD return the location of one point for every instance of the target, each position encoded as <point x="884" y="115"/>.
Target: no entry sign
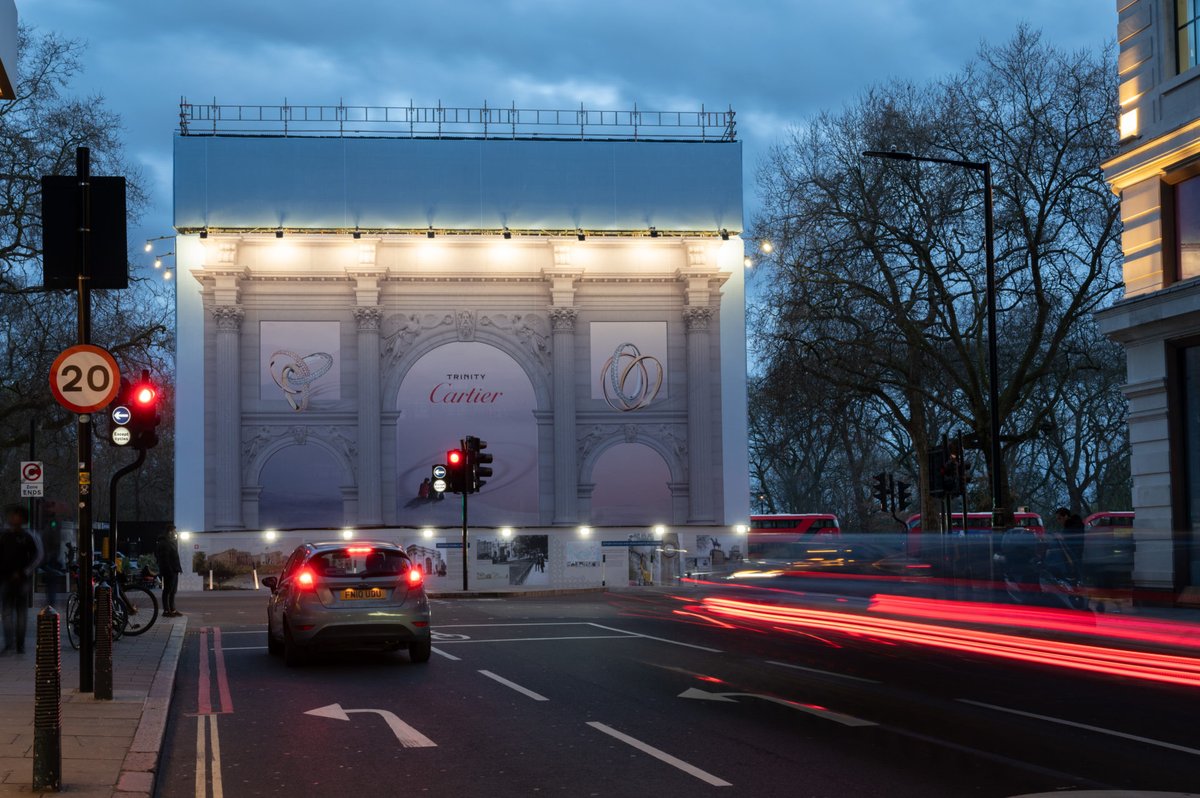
<point x="85" y="378"/>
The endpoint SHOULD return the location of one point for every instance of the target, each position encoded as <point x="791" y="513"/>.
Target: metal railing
<point x="444" y="122"/>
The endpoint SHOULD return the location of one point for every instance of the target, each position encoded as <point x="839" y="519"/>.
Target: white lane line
<point x="817" y="670"/>
<point x="248" y="632"/>
<point x="537" y="623"/>
<point x="201" y="760"/>
<point x="522" y="690"/>
<point x="218" y="791"/>
<point x="662" y="756"/>
<point x="532" y="639"/>
<point x="441" y="653"/>
<point x="1098" y="729"/>
<point x="659" y="639"/>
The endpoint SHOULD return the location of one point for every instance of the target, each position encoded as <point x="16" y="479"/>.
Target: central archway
<point x="467" y="388"/>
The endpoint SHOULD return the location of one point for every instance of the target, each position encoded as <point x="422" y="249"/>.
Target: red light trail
<point x="1166" y="668"/>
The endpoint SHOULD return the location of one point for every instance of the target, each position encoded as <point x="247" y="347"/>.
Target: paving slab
<point x="110" y="748"/>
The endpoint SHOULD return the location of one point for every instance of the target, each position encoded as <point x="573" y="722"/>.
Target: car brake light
<point x="415" y="577"/>
<point x="305" y="579"/>
<point x="359" y="550"/>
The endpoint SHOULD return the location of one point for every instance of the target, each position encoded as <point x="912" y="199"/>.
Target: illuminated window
<point x="1187" y="28"/>
<point x="1187" y="227"/>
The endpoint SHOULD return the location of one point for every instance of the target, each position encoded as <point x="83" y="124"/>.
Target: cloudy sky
<point x="774" y="62"/>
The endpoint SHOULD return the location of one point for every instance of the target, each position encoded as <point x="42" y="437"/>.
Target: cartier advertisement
<point x="460" y="389"/>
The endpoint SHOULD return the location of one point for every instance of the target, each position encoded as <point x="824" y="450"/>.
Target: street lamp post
<point x="999" y="515"/>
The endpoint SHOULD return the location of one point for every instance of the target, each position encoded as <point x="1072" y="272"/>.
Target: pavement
<point x="638" y="693"/>
<point x="109" y="748"/>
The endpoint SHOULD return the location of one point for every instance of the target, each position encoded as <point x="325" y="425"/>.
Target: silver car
<point x="348" y="595"/>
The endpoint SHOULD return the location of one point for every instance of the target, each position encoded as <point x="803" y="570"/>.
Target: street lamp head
<point x="892" y="154"/>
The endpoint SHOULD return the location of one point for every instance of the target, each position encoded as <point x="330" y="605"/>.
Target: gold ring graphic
<point x="629" y="379"/>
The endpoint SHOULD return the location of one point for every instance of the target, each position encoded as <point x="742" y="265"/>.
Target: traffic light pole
<point x="83" y="172"/>
<point x="464" y="540"/>
<point x="113" y="515"/>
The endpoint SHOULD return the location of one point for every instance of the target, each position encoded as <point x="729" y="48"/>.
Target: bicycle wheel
<point x="120" y="619"/>
<point x="73" y="620"/>
<point x="141" y="606"/>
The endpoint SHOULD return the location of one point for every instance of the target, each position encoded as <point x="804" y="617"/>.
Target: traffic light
<point x="903" y="495"/>
<point x="456" y="471"/>
<point x="935" y="467"/>
<point x="879" y="490"/>
<point x="135" y="416"/>
<point x="144" y="399"/>
<point x="477" y="464"/>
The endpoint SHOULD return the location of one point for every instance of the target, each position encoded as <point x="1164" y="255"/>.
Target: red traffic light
<point x="454" y="457"/>
<point x="145" y="394"/>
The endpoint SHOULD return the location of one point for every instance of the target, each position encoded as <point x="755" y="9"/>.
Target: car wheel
<point x="420" y="651"/>
<point x="293" y="654"/>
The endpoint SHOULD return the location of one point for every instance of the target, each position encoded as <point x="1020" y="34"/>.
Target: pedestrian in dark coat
<point x="166" y="551"/>
<point x="19" y="559"/>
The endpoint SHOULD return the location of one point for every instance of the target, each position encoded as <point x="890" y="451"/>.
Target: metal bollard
<point x="47" y="704"/>
<point x="104" y="642"/>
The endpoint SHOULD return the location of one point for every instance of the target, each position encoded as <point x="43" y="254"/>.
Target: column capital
<point x="563" y="319"/>
<point x="696" y="317"/>
<point x="368" y="317"/>
<point x="228" y="317"/>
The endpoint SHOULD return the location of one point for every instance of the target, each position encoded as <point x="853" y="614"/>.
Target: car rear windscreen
<point x="359" y="561"/>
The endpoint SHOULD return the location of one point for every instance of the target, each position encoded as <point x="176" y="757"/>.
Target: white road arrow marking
<point x="811" y="709"/>
<point x="407" y="735"/>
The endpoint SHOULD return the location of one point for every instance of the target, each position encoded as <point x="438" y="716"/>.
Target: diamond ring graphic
<point x="295" y="374"/>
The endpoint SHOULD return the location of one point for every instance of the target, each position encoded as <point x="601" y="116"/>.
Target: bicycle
<point x="128" y="617"/>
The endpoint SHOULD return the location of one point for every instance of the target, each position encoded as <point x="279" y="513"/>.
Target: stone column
<point x="228" y="415"/>
<point x="699" y="420"/>
<point x="566" y="468"/>
<point x="370" y="473"/>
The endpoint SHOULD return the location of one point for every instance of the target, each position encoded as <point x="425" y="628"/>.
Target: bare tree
<point x="39" y="132"/>
<point x="878" y="267"/>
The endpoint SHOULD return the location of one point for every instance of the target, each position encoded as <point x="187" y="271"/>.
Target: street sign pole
<point x="83" y="172"/>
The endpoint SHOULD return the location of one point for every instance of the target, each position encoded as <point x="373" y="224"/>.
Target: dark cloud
<point x="774" y="62"/>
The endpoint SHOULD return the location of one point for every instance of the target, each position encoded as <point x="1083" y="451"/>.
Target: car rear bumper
<point x="323" y="629"/>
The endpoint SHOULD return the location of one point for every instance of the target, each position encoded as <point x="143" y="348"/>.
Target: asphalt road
<point x="621" y="694"/>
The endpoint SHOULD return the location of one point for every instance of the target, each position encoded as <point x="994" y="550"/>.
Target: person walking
<point x="166" y="552"/>
<point x="18" y="562"/>
<point x="1072" y="531"/>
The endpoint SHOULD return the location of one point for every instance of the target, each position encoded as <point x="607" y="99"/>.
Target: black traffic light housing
<point x="477" y="463"/>
<point x="880" y="491"/>
<point x="143" y="399"/>
<point x="456" y="471"/>
<point x="903" y="495"/>
<point x="935" y="467"/>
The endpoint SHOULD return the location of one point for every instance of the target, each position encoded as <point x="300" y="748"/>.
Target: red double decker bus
<point x="770" y="535"/>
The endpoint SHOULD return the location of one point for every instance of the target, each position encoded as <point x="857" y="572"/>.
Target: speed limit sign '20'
<point x="85" y="379"/>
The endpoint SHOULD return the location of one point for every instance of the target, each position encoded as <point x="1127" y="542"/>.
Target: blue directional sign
<point x="121" y="415"/>
<point x="439" y="472"/>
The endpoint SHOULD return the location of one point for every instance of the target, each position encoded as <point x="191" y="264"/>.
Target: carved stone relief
<point x="671" y="437"/>
<point x="331" y="435"/>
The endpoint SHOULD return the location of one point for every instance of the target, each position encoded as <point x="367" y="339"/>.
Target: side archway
<point x="302" y="485"/>
<point x="630" y="485"/>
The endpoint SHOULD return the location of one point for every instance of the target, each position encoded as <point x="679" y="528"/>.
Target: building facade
<point x="1157" y="176"/>
<point x="355" y="297"/>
